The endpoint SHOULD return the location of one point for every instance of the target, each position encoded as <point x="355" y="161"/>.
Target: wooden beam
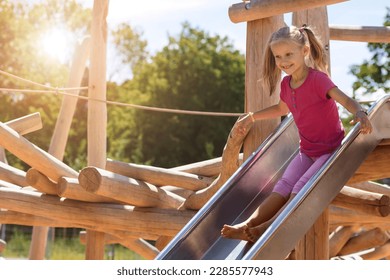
<point x="339" y="238"/>
<point x="158" y="176"/>
<point x="70" y="188"/>
<point x="370" y="34"/>
<point x="127" y="190"/>
<point x="26" y="124"/>
<point x="378" y="253"/>
<point x="33" y="155"/>
<point x="39" y="181"/>
<point x="101" y="216"/>
<point x="259" y="9"/>
<point x="13" y="175"/>
<point x="364" y="241"/>
<point x="375" y="167"/>
<point x="373" y="187"/>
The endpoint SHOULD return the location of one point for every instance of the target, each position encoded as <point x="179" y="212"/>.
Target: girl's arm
<point x="271" y="112"/>
<point x="353" y="107"/>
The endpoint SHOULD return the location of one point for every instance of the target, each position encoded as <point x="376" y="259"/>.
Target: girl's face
<point x="289" y="56"/>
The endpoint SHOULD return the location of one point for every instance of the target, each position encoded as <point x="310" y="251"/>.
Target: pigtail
<point x="270" y="73"/>
<point x="318" y="55"/>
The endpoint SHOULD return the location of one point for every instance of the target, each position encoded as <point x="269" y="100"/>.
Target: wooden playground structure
<point x="130" y="204"/>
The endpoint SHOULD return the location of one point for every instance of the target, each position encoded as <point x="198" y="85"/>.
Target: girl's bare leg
<point x="270" y="206"/>
<point x="253" y="233"/>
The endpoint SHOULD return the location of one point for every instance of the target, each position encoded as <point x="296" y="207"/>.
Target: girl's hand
<point x="365" y="124"/>
<point x="244" y="123"/>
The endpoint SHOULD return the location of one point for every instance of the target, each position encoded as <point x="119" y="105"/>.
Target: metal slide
<point x="254" y="180"/>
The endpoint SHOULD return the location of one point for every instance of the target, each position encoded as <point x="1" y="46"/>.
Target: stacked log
<point x="131" y="204"/>
<point x="360" y="216"/>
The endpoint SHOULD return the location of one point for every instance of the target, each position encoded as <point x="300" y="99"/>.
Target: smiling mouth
<point x="286" y="67"/>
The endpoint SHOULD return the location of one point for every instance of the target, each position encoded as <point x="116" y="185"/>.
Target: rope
<point x="62" y="91"/>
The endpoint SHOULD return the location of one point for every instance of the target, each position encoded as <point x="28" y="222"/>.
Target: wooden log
<point x="17" y="218"/>
<point x="207" y="168"/>
<point x="26" y="124"/>
<point x="70" y="188"/>
<point x="33" y="155"/>
<point x="340" y="216"/>
<point x="139" y="246"/>
<point x="158" y="176"/>
<point x="364" y="241"/>
<point x="259" y="9"/>
<point x="371" y="34"/>
<point x="178" y="191"/>
<point x="127" y="190"/>
<point x="25" y="219"/>
<point x="382" y="252"/>
<point x="13" y="175"/>
<point x="229" y="166"/>
<point x="152" y="221"/>
<point x="39" y="181"/>
<point x="373" y="187"/>
<point x="97" y="111"/>
<point x="362" y="201"/>
<point x="357" y="196"/>
<point x="375" y="167"/>
<point x="68" y="105"/>
<point x="339" y="238"/>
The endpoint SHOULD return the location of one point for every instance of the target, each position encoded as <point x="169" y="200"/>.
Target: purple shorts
<point x="298" y="173"/>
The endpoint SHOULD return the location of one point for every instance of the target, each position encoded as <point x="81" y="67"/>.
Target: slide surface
<point x="200" y="239"/>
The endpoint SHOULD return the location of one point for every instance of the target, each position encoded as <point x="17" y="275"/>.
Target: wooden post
<point x="60" y="135"/>
<point x="256" y="97"/>
<point x="97" y="111"/>
<point x="316" y="240"/>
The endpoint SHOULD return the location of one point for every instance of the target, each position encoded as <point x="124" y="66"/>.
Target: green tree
<point x="198" y="72"/>
<point x="374" y="74"/>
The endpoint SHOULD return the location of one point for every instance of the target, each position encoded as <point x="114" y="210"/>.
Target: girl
<point x="310" y="95"/>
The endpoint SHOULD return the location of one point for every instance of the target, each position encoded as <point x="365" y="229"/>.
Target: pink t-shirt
<point x="315" y="113"/>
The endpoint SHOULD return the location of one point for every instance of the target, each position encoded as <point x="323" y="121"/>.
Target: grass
<point x="62" y="249"/>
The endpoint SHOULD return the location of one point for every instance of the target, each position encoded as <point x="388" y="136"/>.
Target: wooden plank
<point x="259" y="9"/>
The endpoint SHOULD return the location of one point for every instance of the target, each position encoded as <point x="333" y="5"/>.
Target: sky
<point x="157" y="19"/>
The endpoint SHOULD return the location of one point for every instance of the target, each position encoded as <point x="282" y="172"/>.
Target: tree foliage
<point x="198" y="72"/>
<point x="374" y="74"/>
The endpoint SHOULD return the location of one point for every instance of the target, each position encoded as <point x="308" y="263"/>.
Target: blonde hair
<point x="301" y="36"/>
